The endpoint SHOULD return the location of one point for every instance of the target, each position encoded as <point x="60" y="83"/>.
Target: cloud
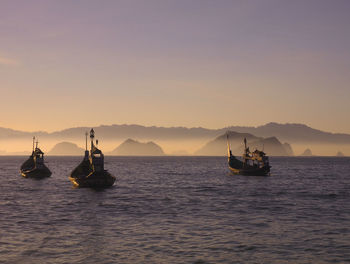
<point x="8" y="61"/>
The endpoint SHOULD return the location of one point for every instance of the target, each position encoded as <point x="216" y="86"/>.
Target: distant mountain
<point x="295" y="133"/>
<point x="288" y="149"/>
<point x="66" y="148"/>
<point x="307" y="153"/>
<point x="117" y="132"/>
<point x="132" y="147"/>
<point x="218" y="147"/>
<point x="7" y="133"/>
<point x="340" y="154"/>
<point x="292" y="133"/>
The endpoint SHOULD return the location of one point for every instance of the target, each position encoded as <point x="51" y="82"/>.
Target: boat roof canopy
<point x="38" y="151"/>
<point x="259" y="152"/>
<point x="96" y="150"/>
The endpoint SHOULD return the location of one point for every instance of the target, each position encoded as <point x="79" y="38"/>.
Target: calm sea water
<point x="178" y="210"/>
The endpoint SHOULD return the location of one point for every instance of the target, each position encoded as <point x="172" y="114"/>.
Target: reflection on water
<point x="178" y="210"/>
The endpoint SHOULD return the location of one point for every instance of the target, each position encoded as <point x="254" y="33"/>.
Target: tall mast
<point x="228" y="145"/>
<point x="246" y="153"/>
<point x="33" y="143"/>
<point x="92" y="135"/>
<point x="86" y="135"/>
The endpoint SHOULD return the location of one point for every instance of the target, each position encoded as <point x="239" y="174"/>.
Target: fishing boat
<point x="34" y="166"/>
<point x="254" y="163"/>
<point x="90" y="172"/>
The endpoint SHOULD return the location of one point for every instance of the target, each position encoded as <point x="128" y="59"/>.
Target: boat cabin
<point x="97" y="159"/>
<point x="256" y="158"/>
<point x="38" y="156"/>
<point x="96" y="156"/>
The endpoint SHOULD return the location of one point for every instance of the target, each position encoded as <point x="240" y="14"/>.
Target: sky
<point x="187" y="63"/>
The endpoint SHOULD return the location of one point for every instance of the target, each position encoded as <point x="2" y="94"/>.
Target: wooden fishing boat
<point x="34" y="166"/>
<point x="90" y="172"/>
<point x="254" y="163"/>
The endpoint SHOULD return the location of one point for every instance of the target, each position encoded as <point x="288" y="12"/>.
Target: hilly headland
<point x="290" y="138"/>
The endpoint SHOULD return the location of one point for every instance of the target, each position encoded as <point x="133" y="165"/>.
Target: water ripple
<point x="178" y="210"/>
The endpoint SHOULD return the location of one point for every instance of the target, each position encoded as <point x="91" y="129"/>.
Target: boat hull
<point x="264" y="171"/>
<point x="36" y="173"/>
<point x="93" y="180"/>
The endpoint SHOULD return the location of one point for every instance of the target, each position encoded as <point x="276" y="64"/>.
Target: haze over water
<point x="178" y="210"/>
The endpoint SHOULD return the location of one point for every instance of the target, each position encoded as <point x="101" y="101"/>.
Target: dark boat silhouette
<point x="90" y="172"/>
<point x="254" y="163"/>
<point x="34" y="166"/>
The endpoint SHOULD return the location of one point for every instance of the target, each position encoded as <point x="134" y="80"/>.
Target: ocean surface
<point x="178" y="210"/>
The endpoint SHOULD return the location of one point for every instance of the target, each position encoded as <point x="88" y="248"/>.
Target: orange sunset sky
<point x="174" y="63"/>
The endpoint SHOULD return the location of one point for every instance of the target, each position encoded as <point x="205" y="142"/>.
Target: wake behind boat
<point x="34" y="166"/>
<point x="90" y="172"/>
<point x="254" y="163"/>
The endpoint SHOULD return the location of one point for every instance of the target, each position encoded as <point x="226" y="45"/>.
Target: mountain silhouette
<point x="218" y="147"/>
<point x="291" y="133"/>
<point x="307" y="153"/>
<point x="66" y="148"/>
<point x="7" y="133"/>
<point x="294" y="133"/>
<point x="132" y="147"/>
<point x="288" y="149"/>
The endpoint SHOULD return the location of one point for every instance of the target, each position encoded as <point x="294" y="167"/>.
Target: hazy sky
<point x="174" y="63"/>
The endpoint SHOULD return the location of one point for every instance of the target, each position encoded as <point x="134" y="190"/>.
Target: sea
<point x="178" y="210"/>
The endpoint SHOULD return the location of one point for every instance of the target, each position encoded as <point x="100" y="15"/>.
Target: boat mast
<point x="92" y="135"/>
<point x="228" y="145"/>
<point x="245" y="156"/>
<point x="33" y="143"/>
<point x="86" y="134"/>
